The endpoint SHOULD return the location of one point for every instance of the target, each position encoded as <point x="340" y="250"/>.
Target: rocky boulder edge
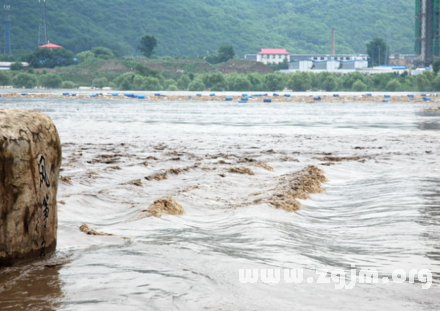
<point x="30" y="160"/>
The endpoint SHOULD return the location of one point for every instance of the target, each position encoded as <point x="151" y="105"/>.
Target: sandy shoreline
<point x="250" y="97"/>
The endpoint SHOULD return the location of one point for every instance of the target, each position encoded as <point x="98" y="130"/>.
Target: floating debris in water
<point x="164" y="206"/>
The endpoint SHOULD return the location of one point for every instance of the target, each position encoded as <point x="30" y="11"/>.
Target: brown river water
<point x="380" y="208"/>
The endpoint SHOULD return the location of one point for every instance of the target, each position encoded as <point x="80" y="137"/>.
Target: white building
<point x="273" y="56"/>
<point x="7" y="65"/>
<point x="326" y="62"/>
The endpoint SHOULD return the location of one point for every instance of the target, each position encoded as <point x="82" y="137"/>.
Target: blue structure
<point x="8" y="50"/>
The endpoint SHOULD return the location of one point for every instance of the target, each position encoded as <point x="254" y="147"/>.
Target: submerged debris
<point x="107" y="158"/>
<point x="328" y="163"/>
<point x="433" y="109"/>
<point x="298" y="185"/>
<point x="89" y="231"/>
<point x="246" y="160"/>
<point x="158" y="176"/>
<point x="92" y="174"/>
<point x="177" y="171"/>
<point x="223" y="162"/>
<point x="340" y="159"/>
<point x="288" y="159"/>
<point x="136" y="182"/>
<point x="241" y="170"/>
<point x="263" y="165"/>
<point x="66" y="179"/>
<point x="164" y="206"/>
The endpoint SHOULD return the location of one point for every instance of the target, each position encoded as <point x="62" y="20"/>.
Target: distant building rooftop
<point x="50" y="46"/>
<point x="274" y="51"/>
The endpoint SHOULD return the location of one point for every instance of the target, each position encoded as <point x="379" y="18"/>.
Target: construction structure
<point x="333" y="42"/>
<point x="42" y="29"/>
<point x="427" y="45"/>
<point x="328" y="62"/>
<point x="8" y="48"/>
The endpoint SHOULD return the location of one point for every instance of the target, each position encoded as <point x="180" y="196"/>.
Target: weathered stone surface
<point x="30" y="159"/>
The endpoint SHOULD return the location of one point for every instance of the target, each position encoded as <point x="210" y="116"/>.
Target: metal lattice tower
<point x="8" y="50"/>
<point x="42" y="29"/>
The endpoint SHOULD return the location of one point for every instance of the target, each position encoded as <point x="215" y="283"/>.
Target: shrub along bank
<point x="142" y="78"/>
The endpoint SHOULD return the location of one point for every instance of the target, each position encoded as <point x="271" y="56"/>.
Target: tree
<point x="352" y="77"/>
<point x="25" y="80"/>
<point x="68" y="85"/>
<point x="172" y="87"/>
<point x="83" y="56"/>
<point x="212" y="59"/>
<point x="50" y="80"/>
<point x="225" y="53"/>
<point x="393" y="85"/>
<point x="5" y="78"/>
<point x="103" y="52"/>
<point x="214" y="79"/>
<point x="50" y="58"/>
<point x="147" y="45"/>
<point x="167" y="83"/>
<point x="436" y="66"/>
<point x="148" y="72"/>
<point x="423" y="83"/>
<point x="17" y="66"/>
<point x="124" y="81"/>
<point x="6" y="58"/>
<point x="240" y="83"/>
<point x="256" y="80"/>
<point x="299" y="82"/>
<point x="377" y="51"/>
<point x="436" y="84"/>
<point x="273" y="82"/>
<point x="196" y="85"/>
<point x="330" y="84"/>
<point x="151" y="84"/>
<point x="359" y="86"/>
<point x="183" y="82"/>
<point x="100" y="82"/>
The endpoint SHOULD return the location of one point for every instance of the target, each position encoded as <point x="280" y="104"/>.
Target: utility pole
<point x="42" y="29"/>
<point x="8" y="50"/>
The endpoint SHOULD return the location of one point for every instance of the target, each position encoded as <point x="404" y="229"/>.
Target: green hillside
<point x="191" y="28"/>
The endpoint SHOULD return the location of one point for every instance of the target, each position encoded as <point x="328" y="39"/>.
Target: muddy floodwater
<point x="227" y="165"/>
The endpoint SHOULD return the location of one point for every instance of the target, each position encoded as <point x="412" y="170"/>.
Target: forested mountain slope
<point x="193" y="28"/>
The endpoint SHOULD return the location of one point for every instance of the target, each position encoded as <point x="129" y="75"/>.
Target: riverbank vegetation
<point x="102" y="67"/>
<point x="141" y="78"/>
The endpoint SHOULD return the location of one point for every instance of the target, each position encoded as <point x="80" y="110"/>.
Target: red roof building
<point x="50" y="46"/>
<point x="274" y="56"/>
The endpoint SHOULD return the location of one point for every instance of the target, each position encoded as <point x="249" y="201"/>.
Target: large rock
<point x="30" y="159"/>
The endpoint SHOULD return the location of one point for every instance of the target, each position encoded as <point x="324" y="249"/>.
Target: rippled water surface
<point x="381" y="207"/>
